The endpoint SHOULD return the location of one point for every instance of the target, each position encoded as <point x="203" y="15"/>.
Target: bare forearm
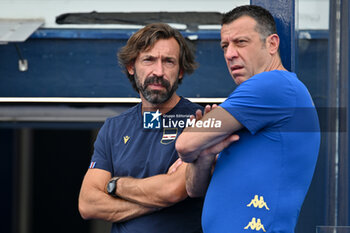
<point x="157" y="191"/>
<point x="199" y="172"/>
<point x="95" y="203"/>
<point x="99" y="205"/>
<point x="194" y="140"/>
<point x="189" y="149"/>
<point x="198" y="175"/>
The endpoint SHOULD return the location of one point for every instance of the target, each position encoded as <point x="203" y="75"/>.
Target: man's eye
<point x="224" y="47"/>
<point x="147" y="60"/>
<point x="241" y="42"/>
<point x="170" y="62"/>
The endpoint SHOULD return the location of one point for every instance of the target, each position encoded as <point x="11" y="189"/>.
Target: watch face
<point x="111" y="187"/>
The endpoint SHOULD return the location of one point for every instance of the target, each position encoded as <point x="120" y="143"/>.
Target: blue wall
<point x="84" y="64"/>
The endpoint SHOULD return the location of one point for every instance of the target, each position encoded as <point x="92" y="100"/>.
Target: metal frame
<point x="284" y="14"/>
<point x="344" y="179"/>
<point x="121" y="34"/>
<point x="93" y="100"/>
<point x="338" y="142"/>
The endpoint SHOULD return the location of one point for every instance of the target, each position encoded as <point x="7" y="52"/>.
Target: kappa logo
<point x="169" y="135"/>
<point x="255" y="224"/>
<point x="126" y="139"/>
<point x="151" y="120"/>
<point x="258" y="202"/>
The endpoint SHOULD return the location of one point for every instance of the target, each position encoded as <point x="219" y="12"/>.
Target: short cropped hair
<point x="265" y="24"/>
<point x="145" y="38"/>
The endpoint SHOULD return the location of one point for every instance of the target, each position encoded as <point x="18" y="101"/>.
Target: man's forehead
<point x="243" y="26"/>
<point x="157" y="54"/>
<point x="162" y="47"/>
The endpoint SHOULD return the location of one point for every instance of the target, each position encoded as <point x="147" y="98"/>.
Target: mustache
<point x="156" y="80"/>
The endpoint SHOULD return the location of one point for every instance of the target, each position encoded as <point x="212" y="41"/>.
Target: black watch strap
<point x="112" y="186"/>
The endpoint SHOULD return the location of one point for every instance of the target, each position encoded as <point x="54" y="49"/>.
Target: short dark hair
<point x="145" y="39"/>
<point x="265" y="24"/>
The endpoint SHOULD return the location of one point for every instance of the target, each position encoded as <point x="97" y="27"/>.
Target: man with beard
<point x="135" y="178"/>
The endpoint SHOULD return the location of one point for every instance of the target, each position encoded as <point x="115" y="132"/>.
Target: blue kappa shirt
<point x="260" y="181"/>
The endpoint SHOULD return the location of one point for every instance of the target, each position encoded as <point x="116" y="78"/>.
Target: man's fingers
<point x="192" y="117"/>
<point x="207" y="109"/>
<point x="225" y="143"/>
<point x="199" y="114"/>
<point x="175" y="166"/>
<point x="217" y="148"/>
<point x="232" y="138"/>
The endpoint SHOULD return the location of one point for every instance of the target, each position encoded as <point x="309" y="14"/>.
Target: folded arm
<point x="137" y="196"/>
<point x="199" y="147"/>
<point x="156" y="191"/>
<point x="199" y="172"/>
<point x="194" y="139"/>
<point x="95" y="203"/>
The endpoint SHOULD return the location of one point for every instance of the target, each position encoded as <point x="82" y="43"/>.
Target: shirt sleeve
<point x="101" y="157"/>
<point x="265" y="100"/>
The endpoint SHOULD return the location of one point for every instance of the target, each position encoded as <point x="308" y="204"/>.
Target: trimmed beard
<point x="156" y="97"/>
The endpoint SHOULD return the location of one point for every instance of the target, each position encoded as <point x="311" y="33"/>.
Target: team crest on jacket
<point x="169" y="135"/>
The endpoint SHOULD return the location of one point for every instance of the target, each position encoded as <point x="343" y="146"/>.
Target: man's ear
<point x="181" y="74"/>
<point x="131" y="69"/>
<point x="273" y="42"/>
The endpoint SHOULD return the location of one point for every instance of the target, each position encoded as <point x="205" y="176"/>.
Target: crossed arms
<point x="137" y="196"/>
<point x="199" y="147"/>
<point x="143" y="196"/>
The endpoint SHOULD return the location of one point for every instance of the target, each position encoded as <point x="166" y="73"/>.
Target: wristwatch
<point x="112" y="186"/>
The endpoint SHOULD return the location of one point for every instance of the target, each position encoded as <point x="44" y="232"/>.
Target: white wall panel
<point x="312" y="14"/>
